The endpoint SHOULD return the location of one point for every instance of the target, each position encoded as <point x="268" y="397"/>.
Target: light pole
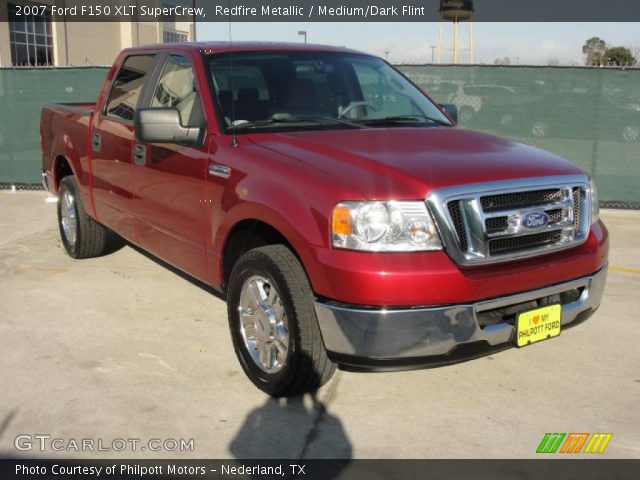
<point x="195" y="22"/>
<point x="386" y="54"/>
<point x="433" y="48"/>
<point x="304" y="34"/>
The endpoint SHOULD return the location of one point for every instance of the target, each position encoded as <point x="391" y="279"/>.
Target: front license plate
<point x="539" y="324"/>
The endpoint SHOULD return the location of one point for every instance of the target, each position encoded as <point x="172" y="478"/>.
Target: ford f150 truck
<point x="343" y="214"/>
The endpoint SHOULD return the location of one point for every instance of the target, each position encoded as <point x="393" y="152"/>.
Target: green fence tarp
<point x="590" y="116"/>
<point x="23" y="92"/>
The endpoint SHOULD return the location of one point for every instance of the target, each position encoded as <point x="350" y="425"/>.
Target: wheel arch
<point x="247" y="234"/>
<point x="62" y="167"/>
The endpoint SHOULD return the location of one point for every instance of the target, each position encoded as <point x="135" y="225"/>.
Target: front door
<point x="169" y="179"/>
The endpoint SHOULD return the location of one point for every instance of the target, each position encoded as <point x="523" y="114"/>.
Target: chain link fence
<point x="590" y="116"/>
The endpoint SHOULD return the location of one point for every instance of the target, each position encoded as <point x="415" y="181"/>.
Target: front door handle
<point x="139" y="154"/>
<point x="96" y="142"/>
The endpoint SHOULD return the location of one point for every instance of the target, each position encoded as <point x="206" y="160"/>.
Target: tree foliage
<point x="594" y="50"/>
<point x="598" y="53"/>
<point x="620" y="56"/>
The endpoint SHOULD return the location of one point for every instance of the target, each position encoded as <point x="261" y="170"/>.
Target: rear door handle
<point x="139" y="154"/>
<point x="96" y="142"/>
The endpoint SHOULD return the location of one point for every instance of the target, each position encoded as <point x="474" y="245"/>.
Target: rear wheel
<point x="273" y="323"/>
<point x="82" y="236"/>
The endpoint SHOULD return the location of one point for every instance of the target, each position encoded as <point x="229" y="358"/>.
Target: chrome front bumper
<point x="398" y="339"/>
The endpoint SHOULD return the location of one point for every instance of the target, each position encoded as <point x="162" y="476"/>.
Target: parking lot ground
<point x="121" y="347"/>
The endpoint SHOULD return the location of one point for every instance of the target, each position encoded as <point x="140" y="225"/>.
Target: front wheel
<point x="273" y="323"/>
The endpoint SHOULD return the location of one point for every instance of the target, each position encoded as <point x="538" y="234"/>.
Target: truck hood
<point x="407" y="163"/>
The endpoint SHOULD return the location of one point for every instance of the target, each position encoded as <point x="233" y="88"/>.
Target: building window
<point x="30" y="37"/>
<point x="174" y="36"/>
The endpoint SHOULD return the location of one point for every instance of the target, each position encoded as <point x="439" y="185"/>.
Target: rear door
<point x="169" y="179"/>
<point x="112" y="140"/>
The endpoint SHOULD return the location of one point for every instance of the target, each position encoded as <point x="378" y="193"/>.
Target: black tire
<point x="91" y="239"/>
<point x="306" y="366"/>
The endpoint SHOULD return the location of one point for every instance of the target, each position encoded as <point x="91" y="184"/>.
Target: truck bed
<point x="64" y="125"/>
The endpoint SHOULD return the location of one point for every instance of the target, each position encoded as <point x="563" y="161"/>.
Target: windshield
<point x="311" y="90"/>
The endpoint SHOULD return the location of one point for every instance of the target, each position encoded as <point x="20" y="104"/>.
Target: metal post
<point x="137" y="26"/>
<point x="66" y="35"/>
<point x="440" y="41"/>
<point x="455" y="41"/>
<point x="471" y="57"/>
<point x="195" y="22"/>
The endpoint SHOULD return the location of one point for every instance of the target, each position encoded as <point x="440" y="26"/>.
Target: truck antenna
<point x="234" y="138"/>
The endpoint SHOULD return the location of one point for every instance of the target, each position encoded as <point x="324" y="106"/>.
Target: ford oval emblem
<point x="534" y="220"/>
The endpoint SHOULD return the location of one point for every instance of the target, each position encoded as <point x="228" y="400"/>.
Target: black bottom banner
<point x="30" y="469"/>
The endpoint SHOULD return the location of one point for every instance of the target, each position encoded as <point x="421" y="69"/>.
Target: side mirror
<point x="163" y="125"/>
<point x="451" y="110"/>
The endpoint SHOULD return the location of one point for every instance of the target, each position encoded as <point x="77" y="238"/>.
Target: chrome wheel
<point x="273" y="323"/>
<point x="263" y="324"/>
<point x="68" y="218"/>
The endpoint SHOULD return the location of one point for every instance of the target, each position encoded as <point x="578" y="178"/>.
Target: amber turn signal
<point x="341" y="221"/>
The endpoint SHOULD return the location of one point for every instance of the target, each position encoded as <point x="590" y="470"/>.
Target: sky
<point x="523" y="43"/>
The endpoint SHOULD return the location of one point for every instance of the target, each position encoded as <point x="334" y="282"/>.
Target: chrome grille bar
<point x="489" y="222"/>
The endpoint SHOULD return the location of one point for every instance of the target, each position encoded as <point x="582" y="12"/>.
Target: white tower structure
<point x="455" y="12"/>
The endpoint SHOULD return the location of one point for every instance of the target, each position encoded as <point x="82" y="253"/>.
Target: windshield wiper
<point x="333" y="120"/>
<point x="400" y="119"/>
<point x="291" y="120"/>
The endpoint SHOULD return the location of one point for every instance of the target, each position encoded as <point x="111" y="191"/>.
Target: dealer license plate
<point x="537" y="325"/>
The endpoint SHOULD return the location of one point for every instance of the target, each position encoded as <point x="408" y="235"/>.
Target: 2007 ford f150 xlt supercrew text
<point x="343" y="214"/>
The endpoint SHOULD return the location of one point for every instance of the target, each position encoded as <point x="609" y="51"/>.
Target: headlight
<point x="595" y="202"/>
<point x="384" y="227"/>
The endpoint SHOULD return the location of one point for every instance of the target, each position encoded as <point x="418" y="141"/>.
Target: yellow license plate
<point x="539" y="324"/>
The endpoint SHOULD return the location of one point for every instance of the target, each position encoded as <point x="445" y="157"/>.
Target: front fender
<point x="300" y="227"/>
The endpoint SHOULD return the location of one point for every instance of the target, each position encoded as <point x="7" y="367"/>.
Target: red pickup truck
<point x="343" y="214"/>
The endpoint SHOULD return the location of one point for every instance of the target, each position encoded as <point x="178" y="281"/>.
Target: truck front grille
<point x="458" y="223"/>
<point x="514" y="244"/>
<point x="505" y="220"/>
<point x="577" y="211"/>
<point x="507" y="201"/>
<point x="496" y="224"/>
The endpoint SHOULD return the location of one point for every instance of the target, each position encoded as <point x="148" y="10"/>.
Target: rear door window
<point x="127" y="86"/>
